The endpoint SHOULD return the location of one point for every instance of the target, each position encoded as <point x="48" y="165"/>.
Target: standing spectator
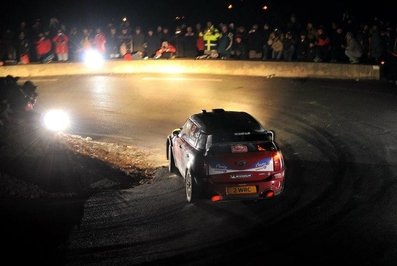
<point x="152" y="43"/>
<point x="353" y="49"/>
<point x="311" y="34"/>
<point x="294" y="27"/>
<point x="74" y="44"/>
<point x="53" y="27"/>
<point x="177" y="40"/>
<point x="338" y="45"/>
<point x="232" y="28"/>
<point x="125" y="46"/>
<point x="376" y="48"/>
<point x="200" y="40"/>
<point x="44" y="49"/>
<point x="303" y="48"/>
<point x="362" y="37"/>
<point x="265" y="38"/>
<point x="23" y="48"/>
<point x="10" y="47"/>
<point x="159" y="32"/>
<point x="100" y="41"/>
<point x="289" y="47"/>
<point x="254" y="43"/>
<point x="86" y="41"/>
<point x="112" y="44"/>
<point x="210" y="37"/>
<point x="190" y="43"/>
<point x="391" y="61"/>
<point x="241" y="31"/>
<point x="239" y="49"/>
<point x="165" y="35"/>
<point x="277" y="46"/>
<point x="61" y="41"/>
<point x="322" y="45"/>
<point x="225" y="43"/>
<point x="138" y="41"/>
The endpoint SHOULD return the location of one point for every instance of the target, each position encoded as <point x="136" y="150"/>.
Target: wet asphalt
<point x="339" y="139"/>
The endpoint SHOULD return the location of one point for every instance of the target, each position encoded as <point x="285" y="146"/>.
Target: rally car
<point x="226" y="155"/>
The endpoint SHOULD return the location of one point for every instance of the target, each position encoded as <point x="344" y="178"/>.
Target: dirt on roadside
<point x="45" y="179"/>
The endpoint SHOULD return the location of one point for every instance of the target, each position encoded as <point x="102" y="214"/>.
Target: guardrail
<point x="218" y="67"/>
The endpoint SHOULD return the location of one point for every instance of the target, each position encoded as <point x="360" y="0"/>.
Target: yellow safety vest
<point x="211" y="39"/>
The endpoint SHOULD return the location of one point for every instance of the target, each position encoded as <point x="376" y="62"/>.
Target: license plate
<point x="241" y="190"/>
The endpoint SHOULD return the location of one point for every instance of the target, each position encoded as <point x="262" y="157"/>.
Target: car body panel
<point x="236" y="158"/>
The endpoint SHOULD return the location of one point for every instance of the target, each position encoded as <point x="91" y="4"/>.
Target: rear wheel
<point x="171" y="161"/>
<point x="192" y="188"/>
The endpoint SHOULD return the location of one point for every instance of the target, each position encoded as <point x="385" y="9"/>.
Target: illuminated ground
<point x="339" y="140"/>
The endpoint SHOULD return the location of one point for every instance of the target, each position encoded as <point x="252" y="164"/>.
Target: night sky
<point x="151" y="13"/>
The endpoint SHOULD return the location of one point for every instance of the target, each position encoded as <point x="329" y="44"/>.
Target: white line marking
<point x="182" y="79"/>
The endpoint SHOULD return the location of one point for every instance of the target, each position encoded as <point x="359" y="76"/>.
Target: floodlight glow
<point x="93" y="59"/>
<point x="56" y="120"/>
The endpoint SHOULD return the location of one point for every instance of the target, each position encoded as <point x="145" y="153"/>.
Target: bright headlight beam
<point x="56" y="120"/>
<point x="93" y="59"/>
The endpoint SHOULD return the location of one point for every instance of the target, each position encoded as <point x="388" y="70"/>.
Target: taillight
<point x="277" y="161"/>
<point x="216" y="198"/>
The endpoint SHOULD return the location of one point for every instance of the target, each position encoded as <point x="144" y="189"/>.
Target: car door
<point x="184" y="146"/>
<point x="179" y="146"/>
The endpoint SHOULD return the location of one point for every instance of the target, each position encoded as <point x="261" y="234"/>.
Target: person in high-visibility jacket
<point x="211" y="37"/>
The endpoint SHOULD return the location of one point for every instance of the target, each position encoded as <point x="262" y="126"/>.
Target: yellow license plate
<point x="240" y="190"/>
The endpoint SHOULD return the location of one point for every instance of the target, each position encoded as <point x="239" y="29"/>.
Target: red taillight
<point x="216" y="198"/>
<point x="278" y="161"/>
<point x="269" y="194"/>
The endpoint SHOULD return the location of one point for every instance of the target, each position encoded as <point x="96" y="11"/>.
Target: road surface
<point x="339" y="139"/>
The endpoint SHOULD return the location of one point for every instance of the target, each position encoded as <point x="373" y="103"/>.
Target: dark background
<point x="151" y="13"/>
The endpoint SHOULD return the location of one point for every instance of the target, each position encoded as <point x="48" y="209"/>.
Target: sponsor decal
<point x="220" y="166"/>
<point x="264" y="165"/>
<point x="217" y="168"/>
<point x="242" y="133"/>
<point x="240" y="176"/>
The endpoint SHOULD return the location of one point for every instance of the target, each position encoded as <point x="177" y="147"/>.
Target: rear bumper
<point x="264" y="189"/>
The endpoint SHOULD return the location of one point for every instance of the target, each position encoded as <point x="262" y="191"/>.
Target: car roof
<point x="219" y="121"/>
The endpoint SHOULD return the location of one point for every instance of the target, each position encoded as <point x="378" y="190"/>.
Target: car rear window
<point x="241" y="147"/>
<point x="240" y="137"/>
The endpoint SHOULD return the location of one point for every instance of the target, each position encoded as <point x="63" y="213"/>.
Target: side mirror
<point x="176" y="131"/>
<point x="271" y="135"/>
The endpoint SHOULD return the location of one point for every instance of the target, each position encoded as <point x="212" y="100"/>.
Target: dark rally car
<point x="226" y="155"/>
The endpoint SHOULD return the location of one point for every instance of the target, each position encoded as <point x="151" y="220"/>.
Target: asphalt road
<point x="339" y="139"/>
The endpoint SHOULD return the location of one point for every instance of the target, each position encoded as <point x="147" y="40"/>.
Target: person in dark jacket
<point x="177" y="40"/>
<point x="190" y="41"/>
<point x="303" y="48"/>
<point x="289" y="47"/>
<point x="338" y="45"/>
<point x="254" y="43"/>
<point x="112" y="44"/>
<point x="23" y="48"/>
<point x="225" y="43"/>
<point x="138" y="40"/>
<point x="239" y="49"/>
<point x="152" y="43"/>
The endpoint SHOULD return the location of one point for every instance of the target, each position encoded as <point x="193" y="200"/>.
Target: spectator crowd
<point x="345" y="41"/>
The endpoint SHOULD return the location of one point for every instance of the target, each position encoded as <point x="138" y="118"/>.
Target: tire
<point x="192" y="188"/>
<point x="171" y="161"/>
